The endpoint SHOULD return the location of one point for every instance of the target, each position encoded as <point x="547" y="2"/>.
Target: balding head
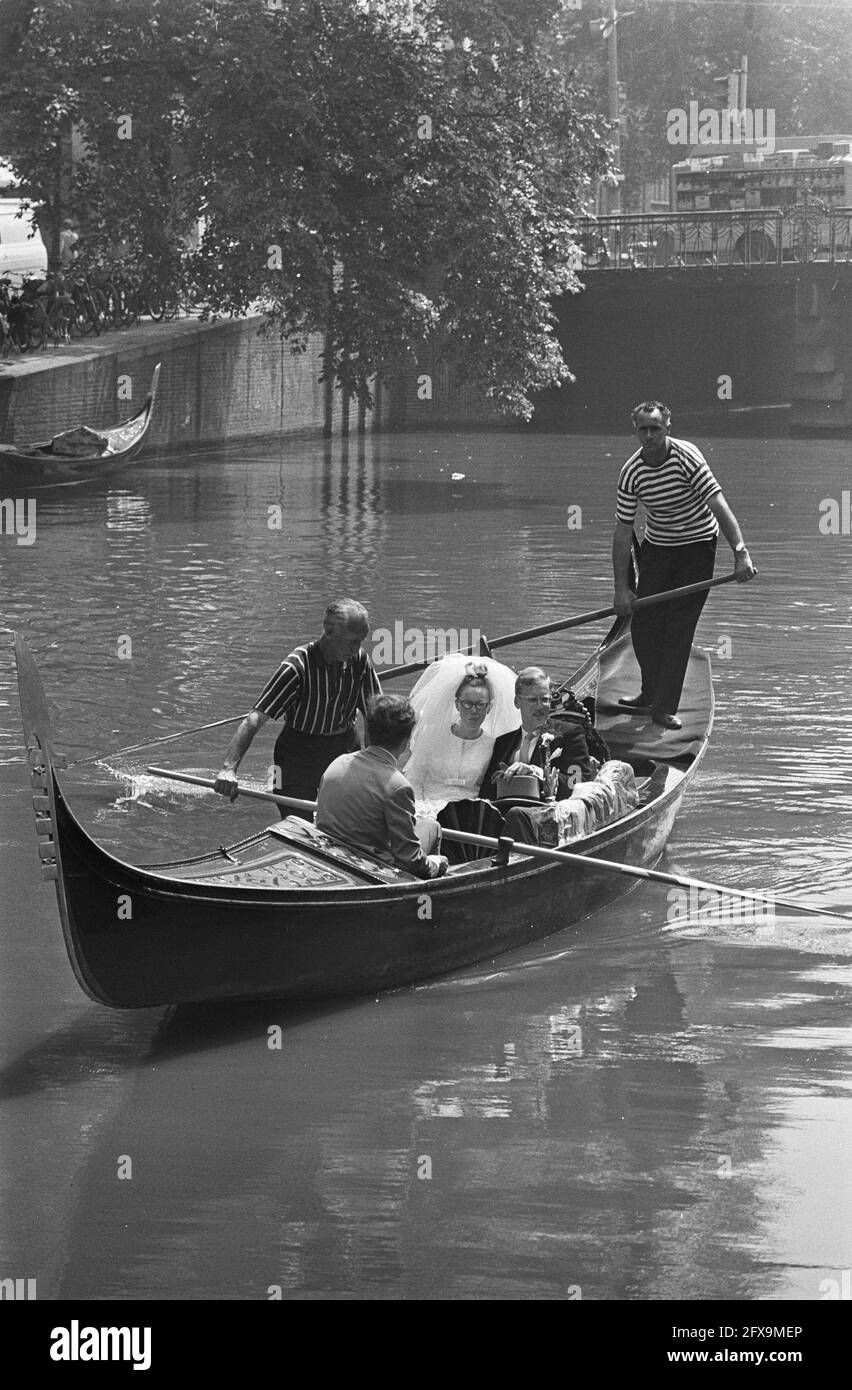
<point x="346" y="612"/>
<point x="344" y="627"/>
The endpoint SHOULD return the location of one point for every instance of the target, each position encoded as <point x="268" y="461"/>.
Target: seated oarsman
<point x="366" y="802"/>
<point x="526" y="751"/>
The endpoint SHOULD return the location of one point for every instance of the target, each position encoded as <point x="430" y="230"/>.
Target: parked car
<point x="22" y="251"/>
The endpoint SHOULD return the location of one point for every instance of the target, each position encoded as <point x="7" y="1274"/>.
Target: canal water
<point x="638" y="1108"/>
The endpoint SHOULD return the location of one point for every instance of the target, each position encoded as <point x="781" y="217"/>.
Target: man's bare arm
<point x="730" y="527"/>
<point x="226" y="781"/>
<point x="623" y="596"/>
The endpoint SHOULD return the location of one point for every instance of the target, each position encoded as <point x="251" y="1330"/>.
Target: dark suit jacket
<point x="569" y="737"/>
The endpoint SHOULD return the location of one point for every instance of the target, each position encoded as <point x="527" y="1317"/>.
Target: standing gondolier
<point x="318" y="689"/>
<point x="684" y="510"/>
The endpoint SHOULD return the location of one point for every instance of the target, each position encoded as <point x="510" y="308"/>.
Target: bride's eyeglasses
<point x="474" y="706"/>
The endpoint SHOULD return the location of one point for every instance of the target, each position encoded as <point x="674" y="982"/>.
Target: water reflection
<point x="623" y="1165"/>
<point x="355" y="523"/>
<point x="126" y="511"/>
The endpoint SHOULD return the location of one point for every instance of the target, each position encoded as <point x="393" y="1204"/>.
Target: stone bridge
<point x="724" y="313"/>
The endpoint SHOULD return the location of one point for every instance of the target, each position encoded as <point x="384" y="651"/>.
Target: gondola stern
<point x="38" y="728"/>
<point x="43" y="760"/>
<point x="155" y="381"/>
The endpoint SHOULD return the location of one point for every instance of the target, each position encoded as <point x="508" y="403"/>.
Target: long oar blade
<point x="652" y="875"/>
<point x="558" y="856"/>
<point x="292" y="801"/>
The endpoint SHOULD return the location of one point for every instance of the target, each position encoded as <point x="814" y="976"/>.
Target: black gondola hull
<point x="36" y="466"/>
<point x="136" y="942"/>
<point x="219" y="928"/>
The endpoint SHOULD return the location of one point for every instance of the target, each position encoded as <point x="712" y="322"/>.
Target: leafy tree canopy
<point x="357" y="172"/>
<point x="372" y="168"/>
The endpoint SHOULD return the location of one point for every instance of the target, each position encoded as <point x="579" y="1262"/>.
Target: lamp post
<point x="607" y="27"/>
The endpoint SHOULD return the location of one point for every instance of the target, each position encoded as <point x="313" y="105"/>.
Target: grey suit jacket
<point x="365" y="801"/>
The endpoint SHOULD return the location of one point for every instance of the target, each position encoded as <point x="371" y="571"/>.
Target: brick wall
<point x="218" y="382"/>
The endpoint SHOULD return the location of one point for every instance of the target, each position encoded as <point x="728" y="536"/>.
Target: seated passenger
<point x="462" y="704"/>
<point x="546" y="745"/>
<point x="366" y="802"/>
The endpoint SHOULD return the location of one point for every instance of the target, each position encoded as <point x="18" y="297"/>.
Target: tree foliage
<point x="377" y="179"/>
<point x="370" y="170"/>
<point x="670" y="52"/>
<point x="356" y="173"/>
<point x="113" y="76"/>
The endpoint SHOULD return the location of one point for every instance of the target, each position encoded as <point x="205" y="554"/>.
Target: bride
<point x="462" y="704"/>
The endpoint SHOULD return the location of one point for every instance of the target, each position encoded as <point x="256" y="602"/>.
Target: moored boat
<point x="46" y="465"/>
<point x="286" y="914"/>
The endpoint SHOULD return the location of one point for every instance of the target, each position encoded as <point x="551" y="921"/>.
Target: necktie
<point x="525" y="751"/>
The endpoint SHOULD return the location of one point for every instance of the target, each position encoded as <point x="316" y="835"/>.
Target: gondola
<point x="33" y="466"/>
<point x="282" y="916"/>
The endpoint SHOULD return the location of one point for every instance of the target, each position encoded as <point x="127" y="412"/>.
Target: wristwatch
<point x="739" y="547"/>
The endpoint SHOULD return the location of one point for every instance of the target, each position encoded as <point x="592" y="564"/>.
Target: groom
<point x="522" y="751"/>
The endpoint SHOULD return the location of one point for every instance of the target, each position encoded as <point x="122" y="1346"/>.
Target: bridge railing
<point x="680" y="240"/>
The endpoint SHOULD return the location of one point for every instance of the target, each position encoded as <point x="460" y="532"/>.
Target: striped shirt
<point x="316" y="697"/>
<point x="674" y="495"/>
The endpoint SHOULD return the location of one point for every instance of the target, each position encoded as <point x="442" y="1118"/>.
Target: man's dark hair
<point x="647" y="407"/>
<point x="390" y="719"/>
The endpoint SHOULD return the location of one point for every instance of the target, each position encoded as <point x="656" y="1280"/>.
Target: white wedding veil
<point x="433" y="698"/>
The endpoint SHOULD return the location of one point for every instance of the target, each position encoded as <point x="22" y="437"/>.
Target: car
<point x="22" y="250"/>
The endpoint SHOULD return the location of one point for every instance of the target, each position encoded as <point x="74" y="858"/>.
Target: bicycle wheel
<point x="113" y="306"/>
<point x="154" y="303"/>
<point x="35" y="335"/>
<point x="172" y="305"/>
<point x="85" y="319"/>
<point x="131" y="305"/>
<point x="100" y="310"/>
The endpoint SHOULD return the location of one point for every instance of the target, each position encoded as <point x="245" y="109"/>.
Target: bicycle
<point x="8" y="341"/>
<point x="88" y="307"/>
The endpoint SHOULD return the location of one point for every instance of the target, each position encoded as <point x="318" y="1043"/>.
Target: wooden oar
<point x="633" y="871"/>
<point x="558" y="856"/>
<point x="561" y="624"/>
<point x="153" y="742"/>
<point x="293" y="801"/>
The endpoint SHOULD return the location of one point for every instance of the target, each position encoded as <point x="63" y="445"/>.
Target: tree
<point x="109" y="77"/>
<point x="377" y="178"/>
<point x="15" y="17"/>
<point x="360" y="171"/>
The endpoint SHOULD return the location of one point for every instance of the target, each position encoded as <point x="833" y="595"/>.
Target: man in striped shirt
<point x="317" y="690"/>
<point x="684" y="509"/>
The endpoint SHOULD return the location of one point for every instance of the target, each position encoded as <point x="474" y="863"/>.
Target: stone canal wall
<point x="218" y="382"/>
<point x="713" y="344"/>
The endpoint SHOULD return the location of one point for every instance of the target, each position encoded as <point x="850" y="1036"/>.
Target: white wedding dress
<point x="443" y="767"/>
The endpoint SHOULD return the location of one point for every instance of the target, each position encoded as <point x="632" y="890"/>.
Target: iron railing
<point x="679" y="240"/>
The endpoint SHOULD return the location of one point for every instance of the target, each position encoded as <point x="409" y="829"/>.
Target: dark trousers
<point x="662" y="634"/>
<point x="301" y="760"/>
